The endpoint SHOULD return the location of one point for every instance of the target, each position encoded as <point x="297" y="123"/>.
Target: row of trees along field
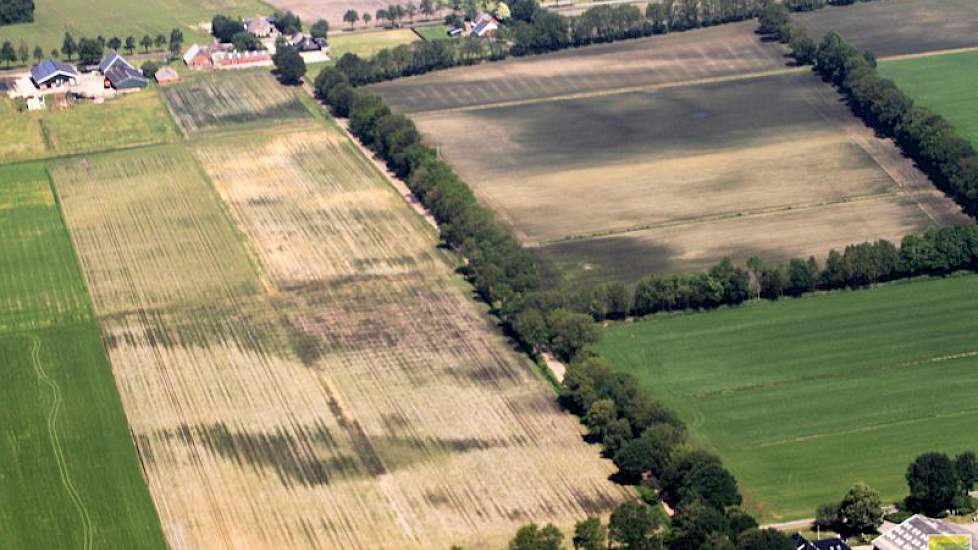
<point x="645" y="439"/>
<point x="16" y="11"/>
<point x="394" y="14"/>
<point x="950" y="160"/>
<point x="91" y="50"/>
<point x="938" y="485"/>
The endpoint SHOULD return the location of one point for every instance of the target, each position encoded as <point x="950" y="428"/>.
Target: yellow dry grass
<point x="356" y="399"/>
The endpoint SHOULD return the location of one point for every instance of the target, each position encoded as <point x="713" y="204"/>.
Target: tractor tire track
<point x="52" y="427"/>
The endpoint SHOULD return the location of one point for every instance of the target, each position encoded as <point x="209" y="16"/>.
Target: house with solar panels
<point x="120" y="74"/>
<point x="52" y="73"/>
<point x="801" y="543"/>
<point x="918" y="532"/>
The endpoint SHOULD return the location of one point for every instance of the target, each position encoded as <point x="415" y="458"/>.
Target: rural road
<point x="807" y="522"/>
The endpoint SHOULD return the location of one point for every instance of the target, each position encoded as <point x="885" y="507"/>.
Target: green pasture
<point x="945" y="84"/>
<point x="433" y="32"/>
<point x="127" y="121"/>
<point x="70" y="477"/>
<point x="804" y="397"/>
<point x="52" y="18"/>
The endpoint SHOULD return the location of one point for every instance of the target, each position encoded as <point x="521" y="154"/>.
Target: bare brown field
<point x="354" y="398"/>
<point x="724" y="51"/>
<point x="673" y="157"/>
<point x="899" y="27"/>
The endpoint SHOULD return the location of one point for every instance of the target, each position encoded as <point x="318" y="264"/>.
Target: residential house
<point x="261" y="27"/>
<point x="111" y="59"/>
<point x="197" y="57"/>
<point x="916" y="532"/>
<point x="54" y="74"/>
<point x="801" y="543"/>
<point x="122" y="76"/>
<point x="166" y="75"/>
<point x="484" y="26"/>
<point x="307" y="43"/>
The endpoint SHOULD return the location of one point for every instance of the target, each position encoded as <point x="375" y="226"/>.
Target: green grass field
<point x="433" y="32"/>
<point x="122" y="18"/>
<point x="804" y="397"/>
<point x="127" y="121"/>
<point x="70" y="478"/>
<point x="945" y="84"/>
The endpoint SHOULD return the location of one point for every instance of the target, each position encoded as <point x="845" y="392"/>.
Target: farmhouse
<point x="307" y="43"/>
<point x="197" y="57"/>
<point x="54" y="74"/>
<point x="801" y="543"/>
<point x="111" y="59"/>
<point x="916" y="532"/>
<point x="260" y="26"/>
<point x="123" y="77"/>
<point x="484" y="26"/>
<point x="166" y="75"/>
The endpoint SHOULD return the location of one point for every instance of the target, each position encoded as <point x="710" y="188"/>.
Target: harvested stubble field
<point x="728" y="51"/>
<point x="71" y="478"/>
<point x="899" y="27"/>
<point x="232" y="100"/>
<point x="356" y="398"/>
<point x="674" y="179"/>
<point x="799" y="419"/>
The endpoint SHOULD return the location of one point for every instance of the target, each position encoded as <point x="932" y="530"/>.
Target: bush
<point x="149" y="68"/>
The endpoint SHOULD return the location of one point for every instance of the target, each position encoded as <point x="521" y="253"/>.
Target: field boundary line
<point x="862" y="429"/>
<point x="52" y="428"/>
<point x="713" y="218"/>
<point x="614" y="91"/>
<point x="934" y="53"/>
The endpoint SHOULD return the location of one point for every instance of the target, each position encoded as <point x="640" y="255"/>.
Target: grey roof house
<point x="111" y="59"/>
<point x="801" y="543"/>
<point x="52" y="73"/>
<point x="915" y="533"/>
<point x="123" y="77"/>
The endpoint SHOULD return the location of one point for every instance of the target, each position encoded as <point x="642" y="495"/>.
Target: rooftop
<point x="914" y="533"/>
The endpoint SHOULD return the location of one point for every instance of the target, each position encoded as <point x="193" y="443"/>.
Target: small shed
<point x="166" y="75"/>
<point x="36" y="103"/>
<point x="54" y="74"/>
<point x="123" y="77"/>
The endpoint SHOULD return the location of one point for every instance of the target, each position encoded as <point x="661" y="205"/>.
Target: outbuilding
<point x="54" y="74"/>
<point x="111" y="59"/>
<point x="918" y="532"/>
<point x="166" y="75"/>
<point x="123" y="77"/>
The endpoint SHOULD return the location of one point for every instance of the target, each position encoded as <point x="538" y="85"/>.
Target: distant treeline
<point x="16" y="11"/>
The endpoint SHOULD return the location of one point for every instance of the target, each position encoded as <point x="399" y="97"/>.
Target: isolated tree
<point x="319" y="29"/>
<point x="590" y="534"/>
<point x="351" y="16"/>
<point x="380" y="16"/>
<point x="966" y="466"/>
<point x="366" y="19"/>
<point x="933" y="484"/>
<point x="130" y="43"/>
<point x="861" y="510"/>
<point x="115" y="43"/>
<point x="159" y="41"/>
<point x="146" y="41"/>
<point x="38" y="54"/>
<point x="23" y="52"/>
<point x="176" y="41"/>
<point x="531" y="537"/>
<point x="8" y="53"/>
<point x="289" y="65"/>
<point x="149" y="68"/>
<point x="764" y="539"/>
<point x="68" y="46"/>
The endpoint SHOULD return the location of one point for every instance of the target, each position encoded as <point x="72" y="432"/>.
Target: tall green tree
<point x="861" y="510"/>
<point x="764" y="539"/>
<point x="289" y="65"/>
<point x="590" y="534"/>
<point x="38" y="54"/>
<point x="146" y="41"/>
<point x="532" y="537"/>
<point x="631" y="526"/>
<point x="966" y="466"/>
<point x="319" y="29"/>
<point x="68" y="46"/>
<point x="8" y="53"/>
<point x="176" y="41"/>
<point x="115" y="43"/>
<point x="351" y="16"/>
<point x="933" y="484"/>
<point x="130" y="43"/>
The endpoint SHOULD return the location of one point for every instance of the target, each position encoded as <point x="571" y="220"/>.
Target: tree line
<point x="90" y="50"/>
<point x="16" y="11"/>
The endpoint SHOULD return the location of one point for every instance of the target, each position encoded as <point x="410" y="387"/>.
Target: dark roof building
<point x="111" y="58"/>
<point x="801" y="543"/>
<point x="916" y="532"/>
<point x="53" y="73"/>
<point x="123" y="77"/>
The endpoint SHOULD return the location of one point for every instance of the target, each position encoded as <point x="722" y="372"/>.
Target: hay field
<point x="899" y="27"/>
<point x="945" y="84"/>
<point x="232" y="100"/>
<point x="891" y="375"/>
<point x="129" y="120"/>
<point x="71" y="478"/>
<point x="615" y="187"/>
<point x="724" y="52"/>
<point x="355" y="397"/>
